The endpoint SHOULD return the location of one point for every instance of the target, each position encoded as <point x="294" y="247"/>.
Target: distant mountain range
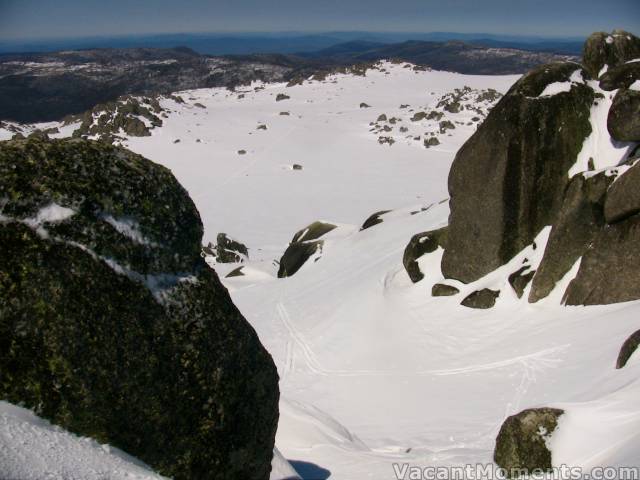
<point x="48" y="86"/>
<point x="287" y="43"/>
<point x="456" y="56"/>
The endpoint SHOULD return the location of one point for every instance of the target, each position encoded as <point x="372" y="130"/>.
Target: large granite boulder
<point x="623" y="121"/>
<point x="613" y="49"/>
<point x="579" y="221"/>
<point x="111" y="324"/>
<point x="610" y="268"/>
<point x="419" y="245"/>
<point x="521" y="442"/>
<point x="622" y="76"/>
<point x="623" y="196"/>
<point x="508" y="180"/>
<point x="303" y="246"/>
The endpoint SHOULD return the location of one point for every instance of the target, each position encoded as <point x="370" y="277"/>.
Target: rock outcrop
<point x="578" y="222"/>
<point x="111" y="324"/>
<point x="229" y="250"/>
<point x="603" y="49"/>
<point x="304" y="245"/>
<point x="128" y="115"/>
<point x="610" y="268"/>
<point x="421" y="244"/>
<point x="521" y="443"/>
<point x="516" y="175"/>
<point x="622" y="76"/>
<point x="508" y="179"/>
<point x="623" y="196"/>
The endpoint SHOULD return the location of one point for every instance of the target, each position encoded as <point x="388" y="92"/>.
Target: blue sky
<point x="29" y="19"/>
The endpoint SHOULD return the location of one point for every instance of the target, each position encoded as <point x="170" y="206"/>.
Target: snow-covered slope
<point x="374" y="370"/>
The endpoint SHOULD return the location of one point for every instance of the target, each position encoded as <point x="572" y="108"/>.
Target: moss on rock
<point x="106" y="333"/>
<point x="521" y="443"/>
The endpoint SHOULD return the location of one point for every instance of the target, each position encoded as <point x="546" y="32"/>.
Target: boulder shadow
<point x="310" y="471"/>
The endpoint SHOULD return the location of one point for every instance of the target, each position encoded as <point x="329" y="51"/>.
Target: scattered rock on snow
<point x="236" y="272"/>
<point x="431" y="142"/>
<point x="444" y="290"/>
<point x="481" y="299"/>
<point x="374" y="219"/>
<point x="628" y="348"/>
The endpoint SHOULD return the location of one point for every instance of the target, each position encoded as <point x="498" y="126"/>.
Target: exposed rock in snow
<point x="628" y="348"/>
<point x="522" y="441"/>
<point x="483" y="299"/>
<point x="304" y="245"/>
<point x="420" y="244"/>
<point x="374" y="219"/>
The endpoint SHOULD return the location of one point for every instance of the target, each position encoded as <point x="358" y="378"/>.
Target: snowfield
<point x="374" y="370"/>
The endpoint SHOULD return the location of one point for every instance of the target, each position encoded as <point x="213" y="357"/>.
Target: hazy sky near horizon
<point x="32" y="19"/>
